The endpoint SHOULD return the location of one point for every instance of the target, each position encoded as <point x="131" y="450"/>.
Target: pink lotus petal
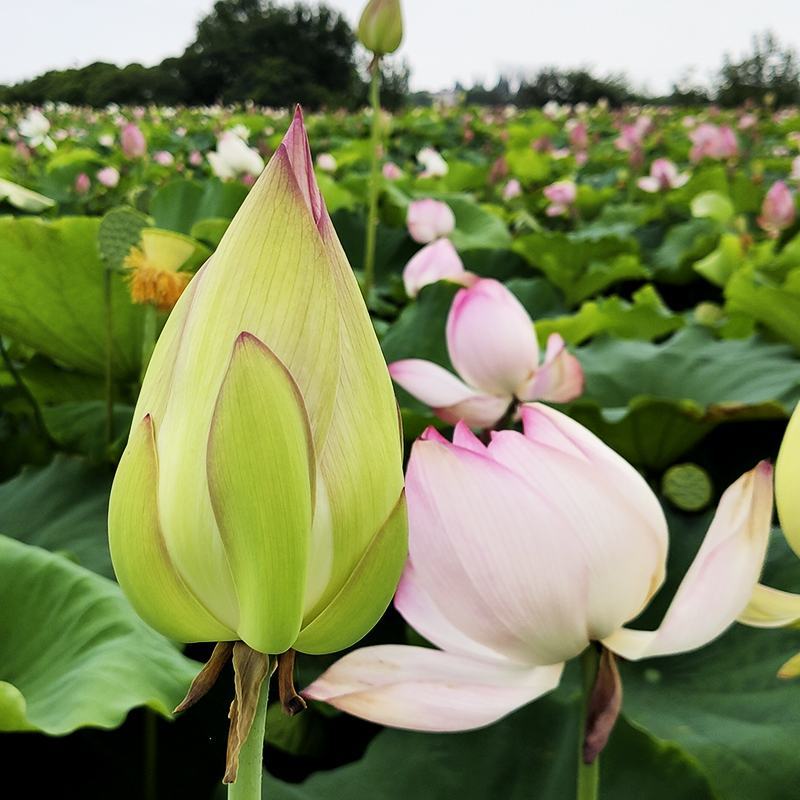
<point x="721" y="579"/>
<point x="437" y="261"/>
<point x="429" y="690"/>
<point x="559" y="379"/>
<point x="491" y="339"/>
<point x="450" y="398"/>
<point x="429" y="219"/>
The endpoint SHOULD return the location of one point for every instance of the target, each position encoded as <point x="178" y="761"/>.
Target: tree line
<point x="255" y="50"/>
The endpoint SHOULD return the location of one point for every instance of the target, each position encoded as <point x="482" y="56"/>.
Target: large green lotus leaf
<point x="652" y="402"/>
<point x="72" y="651"/>
<point x="476" y="228"/>
<point x="531" y="754"/>
<point x="724" y="704"/>
<point x="528" y="165"/>
<point x="645" y="318"/>
<point x="181" y="203"/>
<point x="62" y="507"/>
<point x="581" y="264"/>
<point x="682" y="246"/>
<point x="775" y="306"/>
<point x="82" y="427"/>
<point x="52" y="295"/>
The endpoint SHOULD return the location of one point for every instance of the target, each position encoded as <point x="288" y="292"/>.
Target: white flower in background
<point x="242" y="131"/>
<point x="326" y="162"/>
<point x="233" y="158"/>
<point x="106" y="140"/>
<point x="34" y="128"/>
<point x="432" y="162"/>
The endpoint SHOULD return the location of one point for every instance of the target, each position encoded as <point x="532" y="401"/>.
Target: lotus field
<point x="591" y="323"/>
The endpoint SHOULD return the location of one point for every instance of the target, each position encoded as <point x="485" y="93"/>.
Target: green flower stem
<point x="374" y="180"/>
<point x="8" y="363"/>
<point x="109" y="378"/>
<point x="251" y="757"/>
<point x="588" y="774"/>
<point x="148" y="335"/>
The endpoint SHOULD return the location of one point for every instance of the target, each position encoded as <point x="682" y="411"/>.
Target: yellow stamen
<point x="151" y="284"/>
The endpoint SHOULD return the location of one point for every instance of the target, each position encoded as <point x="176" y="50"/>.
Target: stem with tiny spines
<point x="588" y="774"/>
<point x="374" y="180"/>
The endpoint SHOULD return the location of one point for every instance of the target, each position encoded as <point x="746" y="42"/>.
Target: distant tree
<point x="255" y="50"/>
<point x="770" y="71"/>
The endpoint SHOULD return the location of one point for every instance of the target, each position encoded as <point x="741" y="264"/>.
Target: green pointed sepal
<point x="365" y="595"/>
<point x="139" y="553"/>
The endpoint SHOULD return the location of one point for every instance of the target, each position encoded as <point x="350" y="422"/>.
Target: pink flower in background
<point x="132" y="140"/>
<point x="512" y="189"/>
<point x="326" y="162"/>
<point x="164" y="158"/>
<point x="195" y="158"/>
<point x="524" y="551"/>
<point x="82" y="183"/>
<point x="391" y="171"/>
<point x="663" y="175"/>
<point x="777" y="210"/>
<point x="23" y="151"/>
<point x="562" y="196"/>
<point x="429" y="219"/>
<point x="713" y="141"/>
<point x="578" y="135"/>
<point x="747" y="121"/>
<point x="435" y="262"/>
<point x="108" y="177"/>
<point x="492" y="345"/>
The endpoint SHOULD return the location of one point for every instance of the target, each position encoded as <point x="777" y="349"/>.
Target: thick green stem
<point x="109" y="377"/>
<point x="247" y="785"/>
<point x="374" y="180"/>
<point x="588" y="774"/>
<point x="148" y="336"/>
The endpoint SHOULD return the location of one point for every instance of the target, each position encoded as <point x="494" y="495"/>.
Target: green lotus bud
<point x="380" y="28"/>
<point x="259" y="497"/>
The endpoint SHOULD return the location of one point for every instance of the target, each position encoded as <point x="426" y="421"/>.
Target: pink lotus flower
<point x="164" y="158"/>
<point x="663" y="175"/>
<point x="713" y="141"/>
<point x="777" y="210"/>
<point x="132" y="141"/>
<point x="512" y="189"/>
<point x="82" y="183"/>
<point x="492" y="344"/>
<point x="578" y="135"/>
<point x="522" y="553"/>
<point x="435" y="262"/>
<point x="195" y="158"/>
<point x="108" y="177"/>
<point x="562" y="196"/>
<point x="326" y="162"/>
<point x="391" y="171"/>
<point x="429" y="219"/>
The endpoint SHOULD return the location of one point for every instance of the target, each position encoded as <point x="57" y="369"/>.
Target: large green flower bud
<point x="260" y="494"/>
<point x="380" y="28"/>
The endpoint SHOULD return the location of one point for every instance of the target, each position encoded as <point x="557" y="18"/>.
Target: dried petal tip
<point x="207" y="676"/>
<point x="291" y="701"/>
<point x="605" y="703"/>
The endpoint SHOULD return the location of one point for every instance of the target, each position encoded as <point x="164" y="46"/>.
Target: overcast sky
<point x="446" y="40"/>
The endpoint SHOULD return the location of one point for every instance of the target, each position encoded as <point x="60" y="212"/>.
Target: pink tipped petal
<point x="491" y="339"/>
<point x="721" y="579"/>
<point x="297" y="149"/>
<point x="559" y="379"/>
<point x="603" y="540"/>
<point x="464" y="437"/>
<point x="436" y="261"/>
<point x="430" y="434"/>
<point x="484" y="548"/>
<point x="427" y="690"/>
<point x="449" y="398"/>
<point x="421" y="612"/>
<point x="771" y="608"/>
